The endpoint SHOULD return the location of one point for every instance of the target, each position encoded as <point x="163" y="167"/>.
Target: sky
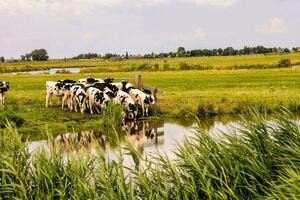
<point x="66" y="28"/>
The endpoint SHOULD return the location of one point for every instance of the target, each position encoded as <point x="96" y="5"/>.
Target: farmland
<point x="205" y="93"/>
<point x="256" y="164"/>
<point x="163" y="64"/>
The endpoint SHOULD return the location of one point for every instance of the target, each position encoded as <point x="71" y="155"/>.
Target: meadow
<point x="204" y="93"/>
<point x="161" y="64"/>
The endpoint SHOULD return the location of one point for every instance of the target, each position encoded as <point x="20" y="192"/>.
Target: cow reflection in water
<point x="81" y="142"/>
<point x="140" y="134"/>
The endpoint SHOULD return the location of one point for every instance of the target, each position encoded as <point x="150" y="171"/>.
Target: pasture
<point x="205" y="93"/>
<point x="161" y="64"/>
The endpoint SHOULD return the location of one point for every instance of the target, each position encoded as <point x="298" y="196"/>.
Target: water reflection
<point x="147" y="137"/>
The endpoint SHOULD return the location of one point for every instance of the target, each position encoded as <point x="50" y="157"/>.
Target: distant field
<point x="164" y="64"/>
<point x="209" y="92"/>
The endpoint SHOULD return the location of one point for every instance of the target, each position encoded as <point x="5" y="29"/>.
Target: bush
<point x="284" y="63"/>
<point x="185" y="66"/>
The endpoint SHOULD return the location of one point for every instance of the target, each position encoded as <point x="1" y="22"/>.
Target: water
<point x="147" y="137"/>
<point x="72" y="70"/>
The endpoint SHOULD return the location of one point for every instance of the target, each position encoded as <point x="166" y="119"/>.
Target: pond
<point x="72" y="70"/>
<point x="147" y="137"/>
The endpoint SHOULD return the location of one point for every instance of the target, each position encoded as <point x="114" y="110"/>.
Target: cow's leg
<point x="90" y="104"/>
<point x="1" y="103"/>
<point x="75" y="105"/>
<point x="3" y="98"/>
<point x="47" y="98"/>
<point x="63" y="101"/>
<point x="146" y="110"/>
<point x="71" y="102"/>
<point x="98" y="111"/>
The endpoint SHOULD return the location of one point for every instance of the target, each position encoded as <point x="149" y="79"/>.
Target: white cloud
<point x="81" y="7"/>
<point x="197" y="2"/>
<point x="199" y="33"/>
<point x="212" y="2"/>
<point x="274" y="26"/>
<point x="88" y="37"/>
<point x="53" y="7"/>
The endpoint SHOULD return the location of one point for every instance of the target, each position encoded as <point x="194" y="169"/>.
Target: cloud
<point x="199" y="33"/>
<point x="88" y="37"/>
<point x="53" y="7"/>
<point x="82" y="7"/>
<point x="197" y="2"/>
<point x="274" y="26"/>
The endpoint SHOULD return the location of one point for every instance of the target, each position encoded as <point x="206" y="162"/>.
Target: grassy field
<point x="257" y="162"/>
<point x="204" y="93"/>
<point x="166" y="64"/>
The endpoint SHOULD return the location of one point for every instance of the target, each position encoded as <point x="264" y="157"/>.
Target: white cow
<point x="125" y="99"/>
<point x="96" y="99"/>
<point x="142" y="99"/>
<point x="77" y="98"/>
<point x="52" y="89"/>
<point x="4" y="86"/>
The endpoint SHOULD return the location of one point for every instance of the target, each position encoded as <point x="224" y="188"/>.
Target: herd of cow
<point x="93" y="95"/>
<point x="4" y="86"/>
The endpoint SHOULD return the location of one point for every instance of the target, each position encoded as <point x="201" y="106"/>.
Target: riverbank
<point x="204" y="93"/>
<point x="256" y="161"/>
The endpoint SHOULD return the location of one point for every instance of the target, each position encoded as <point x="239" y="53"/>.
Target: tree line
<point x="182" y="52"/>
<point x="42" y="54"/>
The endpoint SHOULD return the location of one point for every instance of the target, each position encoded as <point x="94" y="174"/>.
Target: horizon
<point x="69" y="28"/>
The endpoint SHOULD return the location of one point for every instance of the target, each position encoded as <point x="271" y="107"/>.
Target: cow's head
<point x="4" y="84"/>
<point x="133" y="112"/>
<point x="108" y="80"/>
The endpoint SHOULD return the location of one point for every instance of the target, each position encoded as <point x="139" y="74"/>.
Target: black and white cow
<point x="78" y="98"/>
<point x="52" y="89"/>
<point x="4" y="86"/>
<point x="143" y="100"/>
<point x="97" y="99"/>
<point x="56" y="89"/>
<point x="128" y="102"/>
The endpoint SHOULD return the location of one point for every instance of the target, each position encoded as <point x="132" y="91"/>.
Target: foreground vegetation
<point x="258" y="161"/>
<point x="205" y="93"/>
<point x="160" y="64"/>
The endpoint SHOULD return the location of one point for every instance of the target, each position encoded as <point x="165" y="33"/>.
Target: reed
<point x="258" y="160"/>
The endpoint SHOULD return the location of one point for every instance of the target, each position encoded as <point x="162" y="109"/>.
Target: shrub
<point x="185" y="66"/>
<point x="284" y="63"/>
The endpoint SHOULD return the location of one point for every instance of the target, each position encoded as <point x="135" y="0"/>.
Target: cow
<point x="4" y="86"/>
<point x="77" y="98"/>
<point x="52" y="88"/>
<point x="96" y="99"/>
<point x="57" y="89"/>
<point x="142" y="99"/>
<point x="125" y="99"/>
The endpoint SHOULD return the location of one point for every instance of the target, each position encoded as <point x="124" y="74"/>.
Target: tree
<point x="181" y="52"/>
<point x="28" y="56"/>
<point x="23" y="58"/>
<point x="2" y="59"/>
<point x="39" y="55"/>
<point x="126" y="55"/>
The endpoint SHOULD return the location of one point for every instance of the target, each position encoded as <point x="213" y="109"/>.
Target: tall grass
<point x="259" y="160"/>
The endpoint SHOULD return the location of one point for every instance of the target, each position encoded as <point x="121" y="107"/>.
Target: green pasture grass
<point x="166" y="64"/>
<point x="204" y="93"/>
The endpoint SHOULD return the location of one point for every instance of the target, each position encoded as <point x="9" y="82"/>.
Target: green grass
<point x="166" y="64"/>
<point x="258" y="162"/>
<point x="204" y="93"/>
